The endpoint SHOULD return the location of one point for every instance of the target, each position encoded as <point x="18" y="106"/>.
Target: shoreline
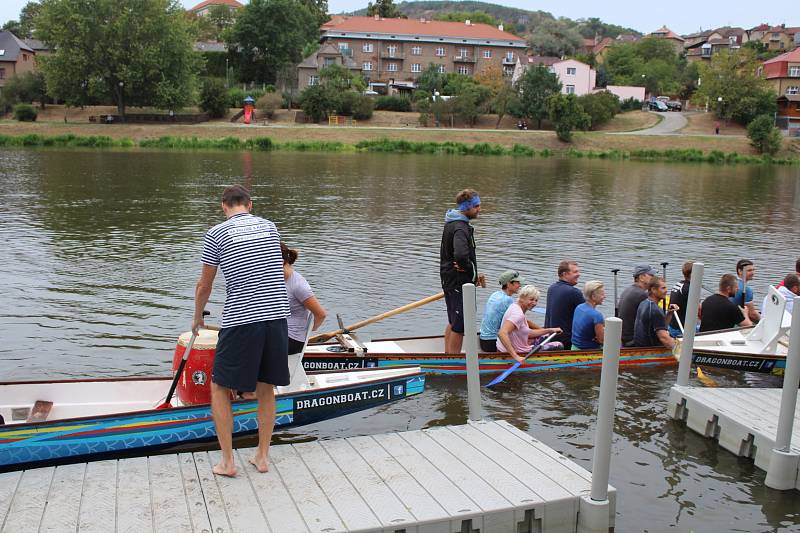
<point x="465" y="141"/>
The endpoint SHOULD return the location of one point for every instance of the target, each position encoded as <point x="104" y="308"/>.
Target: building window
<point x="366" y="66"/>
<point x="24" y="57"/>
<point x="440" y="51"/>
<point x="416" y="50"/>
<point x="440" y="68"/>
<point x="463" y="52"/>
<point x="463" y="69"/>
<point x="416" y="67"/>
<point x="487" y="54"/>
<point x="509" y="56"/>
<point x="392" y="67"/>
<point x="782" y="45"/>
<point x="313" y="80"/>
<point x="329" y="61"/>
<point x="366" y="47"/>
<point x="392" y="50"/>
<point x="776" y="35"/>
<point x="344" y="49"/>
<point x="571" y="71"/>
<point x="794" y="72"/>
<point x="570" y="89"/>
<point x="794" y="89"/>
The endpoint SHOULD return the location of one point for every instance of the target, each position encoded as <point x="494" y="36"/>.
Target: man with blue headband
<point x="458" y="265"/>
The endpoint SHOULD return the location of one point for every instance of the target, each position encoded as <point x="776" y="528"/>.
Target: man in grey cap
<point x="631" y="298"/>
<point x="496" y="306"/>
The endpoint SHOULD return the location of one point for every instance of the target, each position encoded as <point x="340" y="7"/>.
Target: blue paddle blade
<point x="504" y="375"/>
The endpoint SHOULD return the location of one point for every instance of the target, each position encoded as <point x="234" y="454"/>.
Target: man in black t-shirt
<point x="719" y="312"/>
<point x="650" y="328"/>
<point x="631" y="298"/>
<point x="680" y="296"/>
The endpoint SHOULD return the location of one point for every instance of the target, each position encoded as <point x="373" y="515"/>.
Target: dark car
<point x="675" y="105"/>
<point x="657" y="105"/>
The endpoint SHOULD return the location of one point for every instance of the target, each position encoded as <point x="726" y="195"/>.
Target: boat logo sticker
<point x="398" y="390"/>
<point x="199" y="377"/>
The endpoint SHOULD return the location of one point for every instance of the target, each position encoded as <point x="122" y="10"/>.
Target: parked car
<point x="657" y="105"/>
<point x="675" y="105"/>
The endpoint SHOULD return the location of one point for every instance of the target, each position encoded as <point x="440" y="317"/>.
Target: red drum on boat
<point x="194" y="386"/>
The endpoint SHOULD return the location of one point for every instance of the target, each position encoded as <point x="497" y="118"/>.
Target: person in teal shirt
<point x="496" y="306"/>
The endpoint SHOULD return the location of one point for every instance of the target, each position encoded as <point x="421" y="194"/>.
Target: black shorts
<point x="454" y="300"/>
<point x="252" y="353"/>
<point x="488" y="345"/>
<point x="295" y="346"/>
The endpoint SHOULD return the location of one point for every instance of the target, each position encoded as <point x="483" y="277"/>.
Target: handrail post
<point x="783" y="463"/>
<point x="593" y="515"/>
<point x="471" y="352"/>
<point x="690" y="324"/>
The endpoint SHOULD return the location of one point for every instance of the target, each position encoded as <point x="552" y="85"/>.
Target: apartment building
<point x="16" y="57"/>
<point x="392" y="53"/>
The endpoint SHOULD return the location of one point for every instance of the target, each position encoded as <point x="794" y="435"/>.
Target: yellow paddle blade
<point x="705" y="380"/>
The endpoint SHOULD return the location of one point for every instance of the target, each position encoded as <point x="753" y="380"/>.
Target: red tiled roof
<point x="667" y="33"/>
<point x="761" y="27"/>
<point x="418" y="27"/>
<point x="602" y="44"/>
<point x="792" y="56"/>
<point x="782" y="29"/>
<point x="547" y="61"/>
<point x="206" y="3"/>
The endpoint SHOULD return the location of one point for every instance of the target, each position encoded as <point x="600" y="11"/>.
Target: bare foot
<point x="222" y="469"/>
<point x="262" y="465"/>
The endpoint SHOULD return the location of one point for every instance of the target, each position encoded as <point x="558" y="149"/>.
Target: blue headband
<point x="475" y="201"/>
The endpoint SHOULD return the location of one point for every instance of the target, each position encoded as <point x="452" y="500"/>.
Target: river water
<point x="101" y="253"/>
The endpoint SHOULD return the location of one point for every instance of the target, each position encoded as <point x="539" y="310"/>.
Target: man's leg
<point x="266" y="421"/>
<point x="454" y="343"/>
<point x="223" y="422"/>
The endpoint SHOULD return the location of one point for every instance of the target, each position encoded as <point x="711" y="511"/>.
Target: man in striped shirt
<point x="252" y="346"/>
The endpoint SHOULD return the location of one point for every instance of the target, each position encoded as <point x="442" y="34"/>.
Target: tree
<point x="25" y="27"/>
<point x="537" y="85"/>
<point x="601" y="107"/>
<point x="764" y="136"/>
<point x="503" y="102"/>
<point x="567" y="115"/>
<point x="558" y="38"/>
<point x="431" y="80"/>
<point x="732" y="77"/>
<point x="267" y="36"/>
<point x="318" y="8"/>
<point x="650" y="63"/>
<point x="214" y="97"/>
<point x="128" y="51"/>
<point x="475" y="17"/>
<point x="221" y="18"/>
<point x="384" y="9"/>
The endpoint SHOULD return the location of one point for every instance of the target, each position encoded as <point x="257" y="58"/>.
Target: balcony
<point x="463" y="59"/>
<point x="509" y="60"/>
<point x="386" y="54"/>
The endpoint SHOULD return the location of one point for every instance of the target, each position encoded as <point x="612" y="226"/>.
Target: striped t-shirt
<point x="247" y="249"/>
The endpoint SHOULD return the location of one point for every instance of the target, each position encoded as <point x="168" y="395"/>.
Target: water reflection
<point x="102" y="253"/>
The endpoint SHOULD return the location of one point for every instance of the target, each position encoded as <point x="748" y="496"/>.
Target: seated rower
<point x="496" y="307"/>
<point x="588" y="324"/>
<point x="518" y="335"/>
<point x="650" y="327"/>
<point x="789" y="288"/>
<point x="719" y="311"/>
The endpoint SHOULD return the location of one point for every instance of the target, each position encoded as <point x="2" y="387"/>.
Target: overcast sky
<point x="682" y="16"/>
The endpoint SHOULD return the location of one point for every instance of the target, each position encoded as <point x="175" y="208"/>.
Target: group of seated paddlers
<point x="573" y="316"/>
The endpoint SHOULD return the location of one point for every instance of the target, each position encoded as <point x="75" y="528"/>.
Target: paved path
<point x="670" y="125"/>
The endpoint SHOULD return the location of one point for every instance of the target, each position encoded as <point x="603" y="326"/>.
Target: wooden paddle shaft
<point x="368" y="321"/>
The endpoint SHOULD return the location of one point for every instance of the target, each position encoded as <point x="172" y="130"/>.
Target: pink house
<point x="576" y="78"/>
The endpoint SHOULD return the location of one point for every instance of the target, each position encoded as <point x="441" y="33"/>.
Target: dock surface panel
<point x="482" y="476"/>
<point x="744" y="421"/>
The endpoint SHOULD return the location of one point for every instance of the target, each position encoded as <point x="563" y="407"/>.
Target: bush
<point x="764" y="136"/>
<point x="25" y="113"/>
<point x="631" y="104"/>
<point x="236" y="95"/>
<point x="601" y="107"/>
<point x="567" y="115"/>
<point x="393" y="103"/>
<point x="268" y="103"/>
<point x="362" y="108"/>
<point x="214" y="97"/>
<point x="317" y="102"/>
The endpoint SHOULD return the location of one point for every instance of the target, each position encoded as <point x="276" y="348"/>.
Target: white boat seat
<point x="40" y="411"/>
<point x="297" y="374"/>
<point x="772" y="326"/>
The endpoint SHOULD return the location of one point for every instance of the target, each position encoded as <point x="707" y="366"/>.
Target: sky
<point x="681" y="16"/>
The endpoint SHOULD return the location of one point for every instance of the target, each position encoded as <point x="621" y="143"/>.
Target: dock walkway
<point x="744" y="421"/>
<point x="481" y="476"/>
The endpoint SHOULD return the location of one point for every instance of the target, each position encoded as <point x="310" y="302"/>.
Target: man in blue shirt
<point x="496" y="306"/>
<point x="562" y="299"/>
<point x="745" y="271"/>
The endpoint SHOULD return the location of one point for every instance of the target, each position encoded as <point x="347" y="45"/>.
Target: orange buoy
<point x="194" y="386"/>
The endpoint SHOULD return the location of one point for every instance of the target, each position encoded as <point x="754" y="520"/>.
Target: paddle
<point x="167" y="403"/>
<point x="515" y="366"/>
<point x="616" y="301"/>
<point x="664" y="270"/>
<point x="325" y="336"/>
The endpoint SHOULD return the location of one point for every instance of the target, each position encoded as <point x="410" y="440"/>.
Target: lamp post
<point x="227" y="82"/>
<point x="719" y="106"/>
<point x="122" y="101"/>
<point x="436" y="107"/>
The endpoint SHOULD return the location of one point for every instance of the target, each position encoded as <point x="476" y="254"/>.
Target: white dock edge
<point x="482" y="476"/>
<point x="745" y="421"/>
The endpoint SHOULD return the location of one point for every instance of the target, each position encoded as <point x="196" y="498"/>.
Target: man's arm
<point x="461" y="253"/>
<point x="665" y="338"/>
<point x="202" y="293"/>
<point x="745" y="320"/>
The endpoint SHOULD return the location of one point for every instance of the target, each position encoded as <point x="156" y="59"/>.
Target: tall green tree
<point x="267" y="36"/>
<point x="129" y="51"/>
<point x="318" y="8"/>
<point x="384" y="9"/>
<point x="221" y="18"/>
<point x="559" y="38"/>
<point x="567" y="115"/>
<point x="475" y="17"/>
<point x="730" y="85"/>
<point x="651" y="63"/>
<point x="25" y="27"/>
<point x="535" y="87"/>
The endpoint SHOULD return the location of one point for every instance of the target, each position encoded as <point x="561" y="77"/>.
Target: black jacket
<point x="458" y="245"/>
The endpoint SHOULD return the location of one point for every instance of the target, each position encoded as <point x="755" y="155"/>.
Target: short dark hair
<point x="466" y="194"/>
<point x="797" y="265"/>
<point x="728" y="281"/>
<point x="564" y="267"/>
<point x="741" y="264"/>
<point x="654" y="284"/>
<point x="235" y="195"/>
<point x="687" y="269"/>
<point x="289" y="254"/>
<point x="791" y="280"/>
